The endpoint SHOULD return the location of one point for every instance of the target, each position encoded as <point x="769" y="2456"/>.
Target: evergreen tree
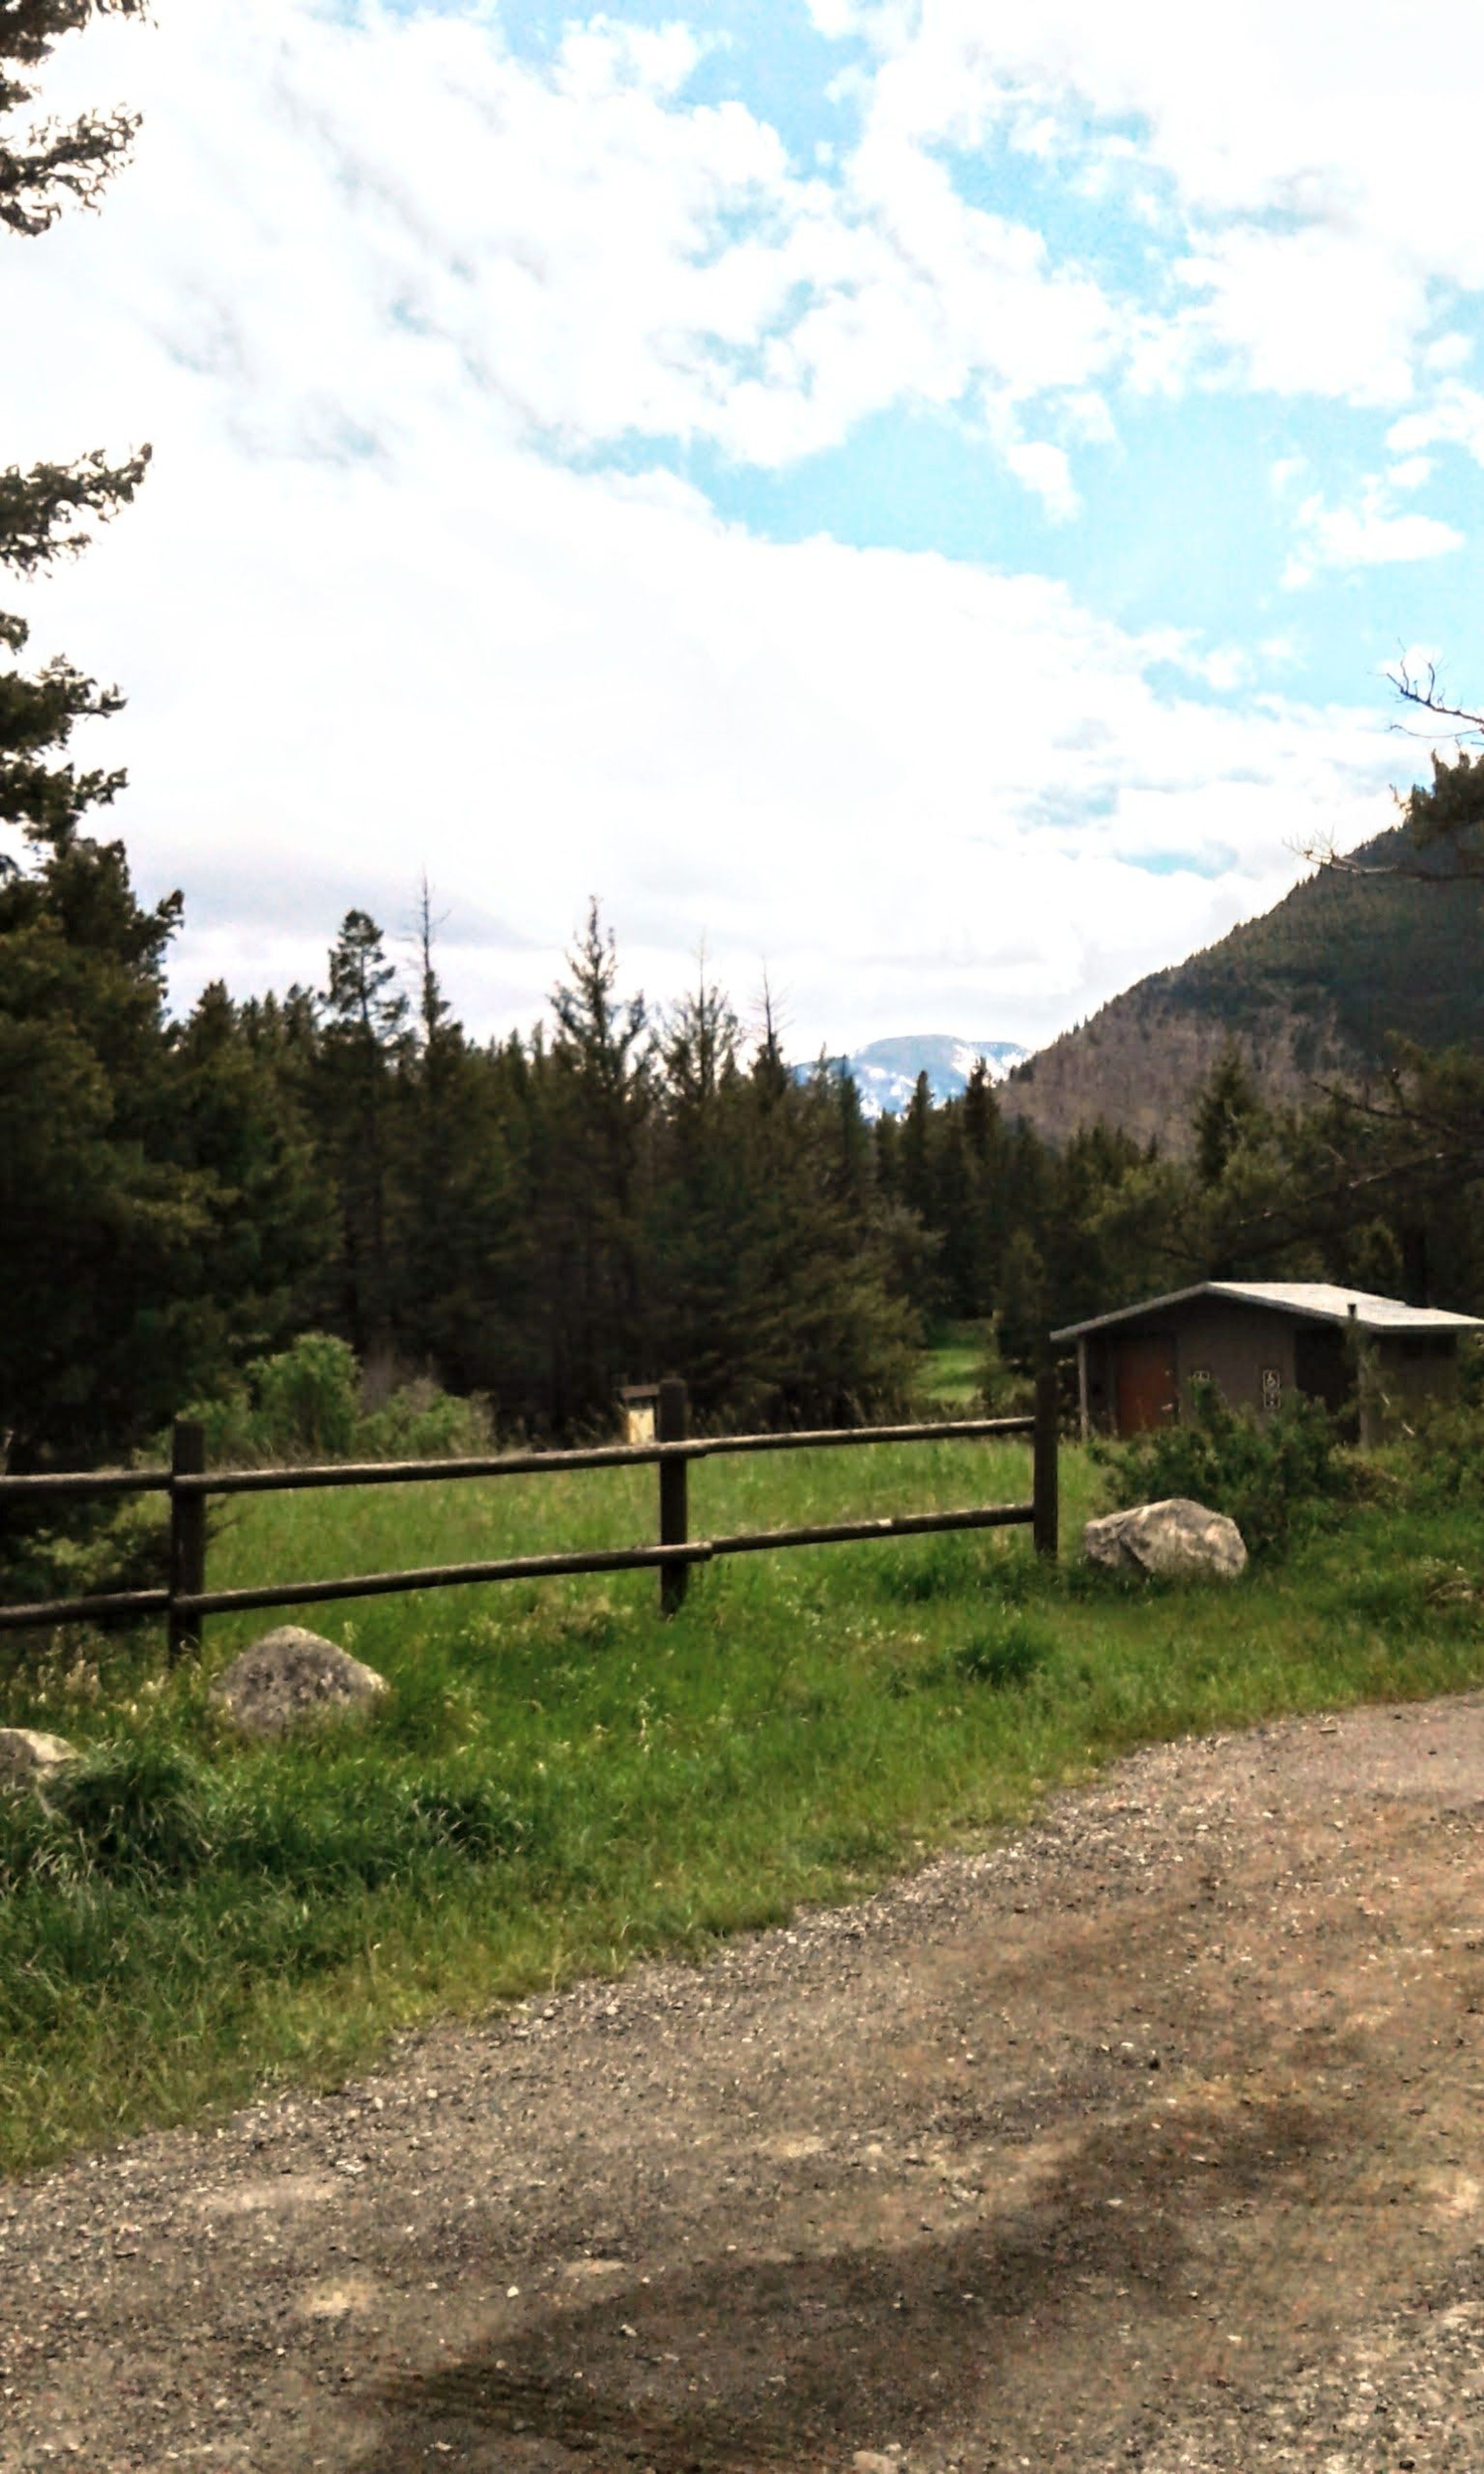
<point x="100" y="1233"/>
<point x="915" y="1171"/>
<point x="94" y="1234"/>
<point x="1022" y="1319"/>
<point x="699" y="1201"/>
<point x="1226" y="1112"/>
<point x="829" y="1337"/>
<point x="41" y="510"/>
<point x="222" y="1109"/>
<point x="74" y="160"/>
<point x="363" y="1039"/>
<point x="461" y="1267"/>
<point x="981" y="1112"/>
<point x="593" y="1093"/>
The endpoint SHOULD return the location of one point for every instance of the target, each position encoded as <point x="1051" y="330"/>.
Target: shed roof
<point x="1318" y="1301"/>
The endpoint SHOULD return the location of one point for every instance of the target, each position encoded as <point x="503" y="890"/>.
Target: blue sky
<point x="917" y="500"/>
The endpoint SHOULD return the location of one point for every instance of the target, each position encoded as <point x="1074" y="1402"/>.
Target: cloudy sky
<point x="919" y="499"/>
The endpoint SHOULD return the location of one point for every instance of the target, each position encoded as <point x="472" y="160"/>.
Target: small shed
<point x="1261" y="1342"/>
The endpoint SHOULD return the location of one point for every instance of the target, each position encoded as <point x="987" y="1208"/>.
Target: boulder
<point x="1178" y="1539"/>
<point x="292" y="1678"/>
<point x="29" y="1757"/>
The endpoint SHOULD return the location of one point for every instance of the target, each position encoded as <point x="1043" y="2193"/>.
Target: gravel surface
<point x="1151" y="2137"/>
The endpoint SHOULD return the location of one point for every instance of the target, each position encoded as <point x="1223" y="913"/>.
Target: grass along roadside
<point x="563" y="1782"/>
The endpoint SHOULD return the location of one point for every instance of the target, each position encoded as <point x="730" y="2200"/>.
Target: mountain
<point x="1313" y="990"/>
<point x="886" y="1072"/>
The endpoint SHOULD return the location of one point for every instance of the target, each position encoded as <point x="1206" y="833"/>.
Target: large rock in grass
<point x="29" y="1759"/>
<point x="291" y="1678"/>
<point x="1177" y="1539"/>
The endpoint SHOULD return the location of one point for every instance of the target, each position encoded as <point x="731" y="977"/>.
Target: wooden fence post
<point x="1043" y="1481"/>
<point x="187" y="1534"/>
<point x="672" y="1426"/>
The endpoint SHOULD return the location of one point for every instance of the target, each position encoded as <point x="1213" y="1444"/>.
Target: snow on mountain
<point x="886" y="1070"/>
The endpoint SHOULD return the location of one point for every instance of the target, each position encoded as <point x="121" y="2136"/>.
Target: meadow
<point x="562" y="1781"/>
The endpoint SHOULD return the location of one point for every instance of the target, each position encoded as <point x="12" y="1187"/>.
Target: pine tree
<point x="97" y="1234"/>
<point x="916" y="1168"/>
<point x="40" y="510"/>
<point x="363" y="1039"/>
<point x="1022" y="1318"/>
<point x="1226" y="1112"/>
<point x="592" y="1096"/>
<point x="75" y="160"/>
<point x="461" y="1267"/>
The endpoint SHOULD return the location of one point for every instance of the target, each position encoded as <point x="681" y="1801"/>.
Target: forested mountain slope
<point x="1315" y="989"/>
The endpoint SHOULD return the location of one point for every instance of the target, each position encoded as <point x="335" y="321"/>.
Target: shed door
<point x="1146" y="1392"/>
<point x="1318" y="1363"/>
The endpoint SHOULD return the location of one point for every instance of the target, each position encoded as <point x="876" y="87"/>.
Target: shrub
<point x="79" y="1550"/>
<point x="304" y="1405"/>
<point x="420" y="1422"/>
<point x="305" y="1398"/>
<point x="1443" y="1458"/>
<point x="1272" y="1477"/>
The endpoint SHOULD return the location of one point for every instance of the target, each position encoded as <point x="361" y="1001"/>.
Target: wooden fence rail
<point x="187" y="1601"/>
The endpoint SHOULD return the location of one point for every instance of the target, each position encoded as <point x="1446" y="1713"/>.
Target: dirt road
<point x="1155" y="2137"/>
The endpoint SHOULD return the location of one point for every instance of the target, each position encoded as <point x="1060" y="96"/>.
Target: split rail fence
<point x="185" y="1601"/>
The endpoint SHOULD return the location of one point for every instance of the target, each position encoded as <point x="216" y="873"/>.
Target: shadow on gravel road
<point x="756" y="2363"/>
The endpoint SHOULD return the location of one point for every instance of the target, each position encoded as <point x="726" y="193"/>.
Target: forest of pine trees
<point x="540" y="1219"/>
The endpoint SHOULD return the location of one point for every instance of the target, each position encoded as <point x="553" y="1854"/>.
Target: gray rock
<point x="292" y="1678"/>
<point x="29" y="1757"/>
<point x="1178" y="1539"/>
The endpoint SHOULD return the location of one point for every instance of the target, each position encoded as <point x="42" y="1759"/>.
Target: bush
<point x="420" y="1422"/>
<point x="299" y="1405"/>
<point x="82" y="1550"/>
<point x="1443" y="1458"/>
<point x="1273" y="1477"/>
<point x="304" y="1405"/>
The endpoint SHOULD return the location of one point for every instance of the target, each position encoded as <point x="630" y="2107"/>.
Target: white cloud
<point x="539" y="685"/>
<point x="599" y="255"/>
<point x="1308" y="312"/>
<point x="586" y="248"/>
<point x="1365" y="536"/>
<point x="1321" y="161"/>
<point x="357" y="284"/>
<point x="1410" y="474"/>
<point x="1454" y="418"/>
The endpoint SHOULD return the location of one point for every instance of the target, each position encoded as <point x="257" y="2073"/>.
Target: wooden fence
<point x="186" y="1601"/>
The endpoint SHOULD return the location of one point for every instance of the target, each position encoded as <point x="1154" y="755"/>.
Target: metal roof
<point x="1320" y="1300"/>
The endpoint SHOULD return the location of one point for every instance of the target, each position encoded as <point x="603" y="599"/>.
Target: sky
<point x="917" y="502"/>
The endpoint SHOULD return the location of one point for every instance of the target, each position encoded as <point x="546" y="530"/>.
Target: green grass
<point x="561" y="1780"/>
<point x="953" y="1368"/>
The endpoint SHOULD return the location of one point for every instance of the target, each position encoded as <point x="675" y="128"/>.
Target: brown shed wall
<point x="1411" y="1371"/>
<point x="1229" y="1343"/>
<point x="1236" y="1345"/>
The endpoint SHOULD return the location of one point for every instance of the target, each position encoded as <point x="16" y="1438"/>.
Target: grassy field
<point x="951" y="1373"/>
<point x="561" y="1780"/>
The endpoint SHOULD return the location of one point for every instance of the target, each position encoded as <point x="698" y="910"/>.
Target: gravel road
<point x="1151" y="2137"/>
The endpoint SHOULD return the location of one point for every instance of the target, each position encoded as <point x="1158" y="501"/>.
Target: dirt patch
<point x="1152" y="2136"/>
